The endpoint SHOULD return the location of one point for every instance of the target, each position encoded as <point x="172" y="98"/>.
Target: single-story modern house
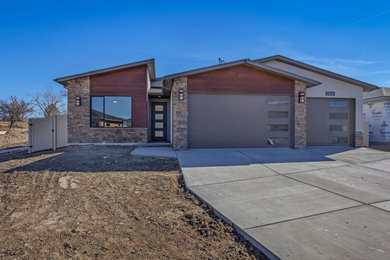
<point x="270" y="102"/>
<point x="376" y="110"/>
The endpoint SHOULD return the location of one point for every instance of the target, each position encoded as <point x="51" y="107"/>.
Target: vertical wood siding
<point x="128" y="82"/>
<point x="240" y="79"/>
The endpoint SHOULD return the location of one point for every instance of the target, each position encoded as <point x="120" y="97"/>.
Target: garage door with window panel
<point x="239" y="121"/>
<point x="330" y="122"/>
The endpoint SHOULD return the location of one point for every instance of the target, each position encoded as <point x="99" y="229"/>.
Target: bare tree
<point x="14" y="110"/>
<point x="49" y="102"/>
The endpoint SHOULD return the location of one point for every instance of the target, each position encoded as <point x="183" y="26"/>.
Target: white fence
<point x="47" y="133"/>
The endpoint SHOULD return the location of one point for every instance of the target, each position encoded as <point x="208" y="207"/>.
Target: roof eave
<point x="309" y="82"/>
<point x="63" y="80"/>
<point x="283" y="73"/>
<point x="366" y="86"/>
<point x="382" y="98"/>
<point x="204" y="69"/>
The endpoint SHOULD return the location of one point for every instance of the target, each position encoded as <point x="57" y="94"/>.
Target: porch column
<point x="300" y="135"/>
<point x="180" y="114"/>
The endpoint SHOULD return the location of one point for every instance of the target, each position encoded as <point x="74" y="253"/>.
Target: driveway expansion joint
<point x="308" y="216"/>
<point x="252" y="205"/>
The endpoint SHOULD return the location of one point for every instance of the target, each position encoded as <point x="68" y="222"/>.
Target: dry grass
<point x="17" y="136"/>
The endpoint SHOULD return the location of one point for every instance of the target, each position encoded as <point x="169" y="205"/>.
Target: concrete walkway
<point x="154" y="151"/>
<point x="318" y="203"/>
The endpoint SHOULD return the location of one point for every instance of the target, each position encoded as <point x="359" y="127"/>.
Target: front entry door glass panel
<point x="159" y="122"/>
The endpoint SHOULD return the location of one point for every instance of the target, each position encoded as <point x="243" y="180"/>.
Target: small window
<point x="338" y="104"/>
<point x="338" y="116"/>
<point x="338" y="140"/>
<point x="158" y="133"/>
<point x="159" y="108"/>
<point x="158" y="116"/>
<point x="110" y="111"/>
<point x="158" y="125"/>
<point x="278" y="101"/>
<point x="275" y="141"/>
<point x="277" y="114"/>
<point x="338" y="128"/>
<point x="278" y="128"/>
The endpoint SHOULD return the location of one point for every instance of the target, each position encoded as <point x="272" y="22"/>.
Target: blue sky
<point x="42" y="40"/>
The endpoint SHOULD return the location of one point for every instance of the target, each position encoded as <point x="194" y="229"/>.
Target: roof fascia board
<point x="152" y="70"/>
<point x="376" y="99"/>
<point x="95" y="72"/>
<point x="205" y="69"/>
<point x="298" y="64"/>
<point x="309" y="82"/>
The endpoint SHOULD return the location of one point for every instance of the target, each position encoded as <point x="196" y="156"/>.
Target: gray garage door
<point x="330" y="121"/>
<point x="239" y="121"/>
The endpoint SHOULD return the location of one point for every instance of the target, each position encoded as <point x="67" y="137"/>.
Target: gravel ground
<point x="101" y="202"/>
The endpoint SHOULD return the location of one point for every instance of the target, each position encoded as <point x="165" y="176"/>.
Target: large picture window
<point x="110" y="111"/>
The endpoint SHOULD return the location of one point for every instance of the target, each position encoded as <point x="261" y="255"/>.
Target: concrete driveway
<point x="318" y="203"/>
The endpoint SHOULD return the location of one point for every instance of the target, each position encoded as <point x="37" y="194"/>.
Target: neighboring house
<point x="376" y="111"/>
<point x="270" y="102"/>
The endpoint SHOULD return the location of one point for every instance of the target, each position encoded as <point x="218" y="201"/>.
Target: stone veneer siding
<point x="358" y="139"/>
<point x="180" y="115"/>
<point x="299" y="116"/>
<point x="79" y="130"/>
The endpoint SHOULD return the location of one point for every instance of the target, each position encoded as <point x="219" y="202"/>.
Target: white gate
<point x="47" y="133"/>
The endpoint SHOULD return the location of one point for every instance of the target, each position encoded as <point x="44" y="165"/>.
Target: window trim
<point x="104" y="112"/>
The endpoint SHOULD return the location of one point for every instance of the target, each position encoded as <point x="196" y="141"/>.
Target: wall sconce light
<point x="181" y="94"/>
<point x="78" y="101"/>
<point x="301" y="97"/>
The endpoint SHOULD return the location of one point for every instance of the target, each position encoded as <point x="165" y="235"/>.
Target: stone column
<point x="180" y="115"/>
<point x="299" y="116"/>
<point x="78" y="116"/>
<point x="358" y="139"/>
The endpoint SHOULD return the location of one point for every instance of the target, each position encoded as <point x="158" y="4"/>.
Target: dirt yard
<point x="100" y="202"/>
<point x="17" y="136"/>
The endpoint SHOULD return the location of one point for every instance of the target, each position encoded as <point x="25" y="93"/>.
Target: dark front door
<point x="159" y="122"/>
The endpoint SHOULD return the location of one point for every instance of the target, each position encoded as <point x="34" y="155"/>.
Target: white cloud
<point x="377" y="72"/>
<point x="385" y="83"/>
<point x="352" y="67"/>
<point x="372" y="17"/>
